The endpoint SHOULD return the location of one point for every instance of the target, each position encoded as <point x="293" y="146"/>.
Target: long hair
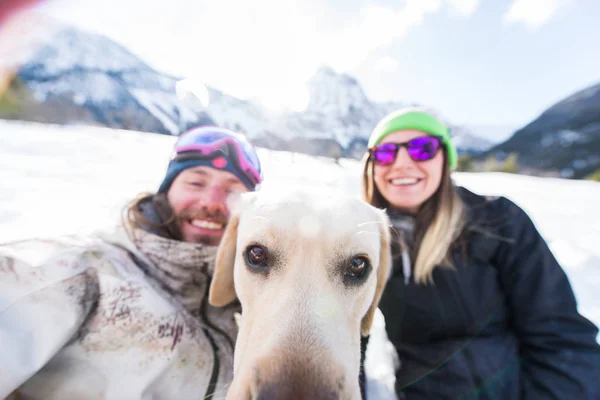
<point x="133" y="216"/>
<point x="438" y="223"/>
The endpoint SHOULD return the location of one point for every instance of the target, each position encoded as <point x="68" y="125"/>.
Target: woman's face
<point x="406" y="184"/>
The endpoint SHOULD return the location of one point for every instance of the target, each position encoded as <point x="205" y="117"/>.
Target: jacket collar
<point x="181" y="268"/>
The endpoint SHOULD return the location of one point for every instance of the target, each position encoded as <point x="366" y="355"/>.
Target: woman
<point x="477" y="306"/>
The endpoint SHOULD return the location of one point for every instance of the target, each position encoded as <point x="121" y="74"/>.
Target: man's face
<point x="198" y="198"/>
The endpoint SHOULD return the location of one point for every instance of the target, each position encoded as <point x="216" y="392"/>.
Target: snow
<point x="96" y="88"/>
<point x="466" y="141"/>
<point x="336" y="94"/>
<point x="565" y="137"/>
<point x="160" y="109"/>
<point x="73" y="49"/>
<point x="338" y="109"/>
<point x="63" y="180"/>
<point x="240" y="115"/>
<point x="93" y="70"/>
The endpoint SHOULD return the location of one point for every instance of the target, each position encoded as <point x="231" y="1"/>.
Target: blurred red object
<point x="18" y="30"/>
<point x="10" y="7"/>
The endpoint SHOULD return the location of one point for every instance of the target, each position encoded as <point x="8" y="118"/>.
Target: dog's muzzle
<point x="298" y="379"/>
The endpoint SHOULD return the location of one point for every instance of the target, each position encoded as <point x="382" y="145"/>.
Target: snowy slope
<point x="62" y="180"/>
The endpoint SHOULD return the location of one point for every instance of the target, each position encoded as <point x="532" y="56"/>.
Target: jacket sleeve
<point x="560" y="355"/>
<point x="41" y="309"/>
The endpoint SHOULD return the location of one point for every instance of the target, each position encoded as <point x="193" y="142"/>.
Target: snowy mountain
<point x="565" y="137"/>
<point x="76" y="77"/>
<point x="468" y="142"/>
<point x="85" y="78"/>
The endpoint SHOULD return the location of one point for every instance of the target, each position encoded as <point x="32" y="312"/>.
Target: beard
<point x="201" y="235"/>
<point x="177" y="226"/>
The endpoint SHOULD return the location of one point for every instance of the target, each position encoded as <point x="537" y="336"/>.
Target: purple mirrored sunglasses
<point x="421" y="148"/>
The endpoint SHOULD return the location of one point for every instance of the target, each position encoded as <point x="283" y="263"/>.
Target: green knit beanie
<point x="418" y="120"/>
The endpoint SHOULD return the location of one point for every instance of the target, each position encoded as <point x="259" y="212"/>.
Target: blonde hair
<point x="438" y="223"/>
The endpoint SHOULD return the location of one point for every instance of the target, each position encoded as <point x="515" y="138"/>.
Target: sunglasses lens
<point x="419" y="149"/>
<point x="385" y="154"/>
<point x="423" y="148"/>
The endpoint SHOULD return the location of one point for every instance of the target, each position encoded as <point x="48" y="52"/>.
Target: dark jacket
<point x="502" y="325"/>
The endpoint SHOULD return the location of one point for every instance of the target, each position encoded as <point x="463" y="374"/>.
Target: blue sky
<point x="483" y="70"/>
<point x="479" y="62"/>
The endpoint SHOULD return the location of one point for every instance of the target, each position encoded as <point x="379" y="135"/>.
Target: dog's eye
<point x="256" y="256"/>
<point x="358" y="267"/>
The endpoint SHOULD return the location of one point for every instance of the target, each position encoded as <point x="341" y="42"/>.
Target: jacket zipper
<point x="214" y="376"/>
<point x="210" y="324"/>
<point x="210" y="391"/>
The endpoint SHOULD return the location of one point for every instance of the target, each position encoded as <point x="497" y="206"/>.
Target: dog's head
<point x="309" y="271"/>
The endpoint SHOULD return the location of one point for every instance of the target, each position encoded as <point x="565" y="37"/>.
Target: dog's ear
<point x="222" y="288"/>
<point x="383" y="271"/>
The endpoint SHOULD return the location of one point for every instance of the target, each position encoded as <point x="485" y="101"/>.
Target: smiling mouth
<point x="404" y="181"/>
<point x="206" y="224"/>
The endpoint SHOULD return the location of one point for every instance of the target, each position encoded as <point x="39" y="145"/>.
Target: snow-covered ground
<point x="64" y="180"/>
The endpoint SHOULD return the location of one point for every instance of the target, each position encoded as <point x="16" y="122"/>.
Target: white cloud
<point x="263" y="48"/>
<point x="464" y="7"/>
<point x="533" y="13"/>
<point x="385" y="64"/>
<point x="376" y="27"/>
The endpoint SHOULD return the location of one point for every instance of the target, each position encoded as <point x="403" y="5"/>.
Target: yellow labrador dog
<point x="309" y="271"/>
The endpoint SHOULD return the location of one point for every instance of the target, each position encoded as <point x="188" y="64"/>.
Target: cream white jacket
<point x="116" y="317"/>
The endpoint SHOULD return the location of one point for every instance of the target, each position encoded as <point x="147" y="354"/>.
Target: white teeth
<point x="202" y="223"/>
<point x="404" y="181"/>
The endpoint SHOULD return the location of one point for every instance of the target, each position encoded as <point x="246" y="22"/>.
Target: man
<point x="126" y="315"/>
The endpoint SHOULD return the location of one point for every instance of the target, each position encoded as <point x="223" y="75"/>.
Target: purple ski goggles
<point x="209" y="140"/>
<point x="421" y="148"/>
